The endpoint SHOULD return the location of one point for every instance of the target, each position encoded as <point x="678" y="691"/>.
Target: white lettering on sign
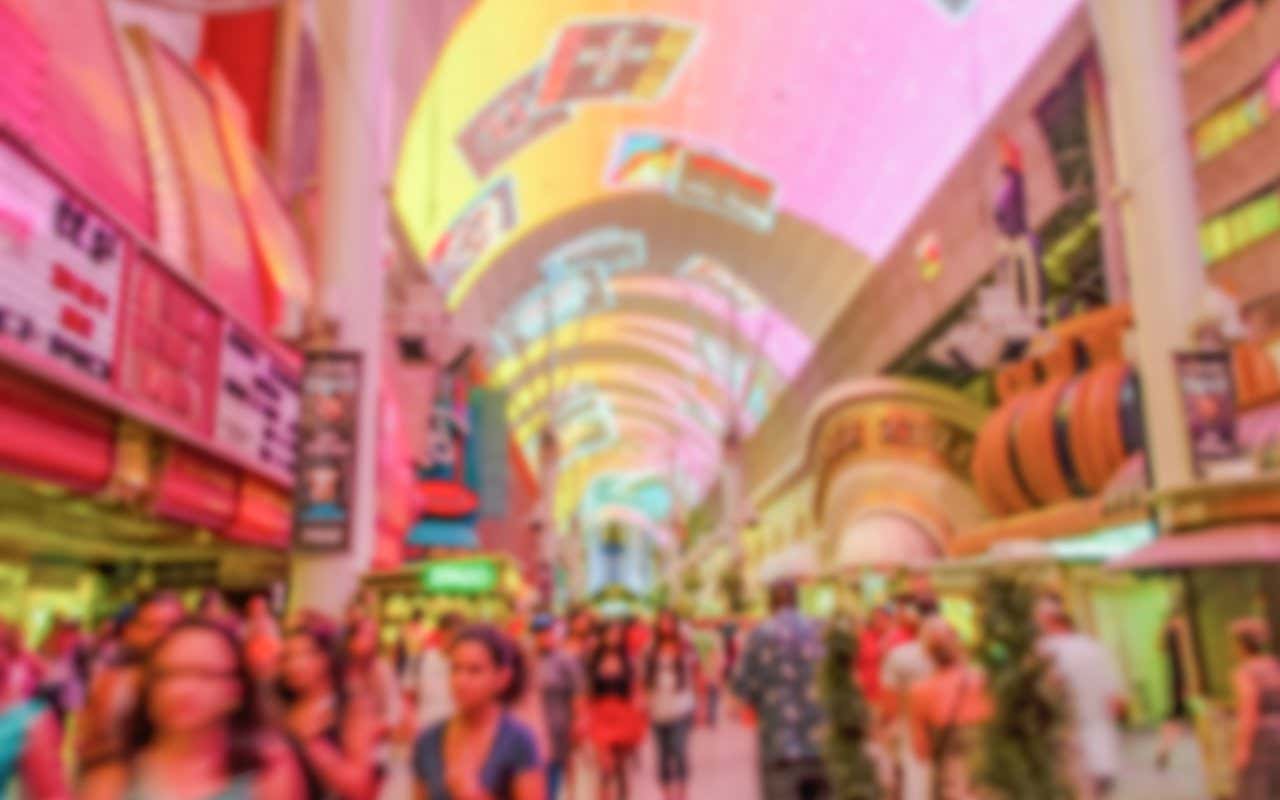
<point x="258" y="403"/>
<point x="61" y="266"/>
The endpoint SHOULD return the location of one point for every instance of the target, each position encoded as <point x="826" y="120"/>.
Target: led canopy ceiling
<point x="655" y="209"/>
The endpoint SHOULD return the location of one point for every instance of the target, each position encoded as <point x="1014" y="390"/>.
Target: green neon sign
<point x="461" y="576"/>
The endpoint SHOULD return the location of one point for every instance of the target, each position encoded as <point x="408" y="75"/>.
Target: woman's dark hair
<point x="661" y="638"/>
<point x="603" y="649"/>
<point x="504" y="653"/>
<point x="327" y="639"/>
<point x="349" y="635"/>
<point x="244" y="754"/>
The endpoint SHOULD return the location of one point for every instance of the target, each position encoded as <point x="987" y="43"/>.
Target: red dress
<point x="613" y="718"/>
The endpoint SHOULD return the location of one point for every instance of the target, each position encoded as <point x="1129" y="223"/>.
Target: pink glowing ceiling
<point x="787" y="145"/>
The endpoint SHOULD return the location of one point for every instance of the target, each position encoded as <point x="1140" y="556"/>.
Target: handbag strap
<point x="944" y="734"/>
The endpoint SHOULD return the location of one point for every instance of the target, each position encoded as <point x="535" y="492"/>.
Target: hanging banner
<point x="445" y="471"/>
<point x="327" y="451"/>
<point x="1208" y="399"/>
<point x="490" y="444"/>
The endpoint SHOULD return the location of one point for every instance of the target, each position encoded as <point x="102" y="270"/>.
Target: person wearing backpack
<point x="947" y="710"/>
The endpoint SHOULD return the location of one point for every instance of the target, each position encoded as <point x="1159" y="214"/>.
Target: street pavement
<point x="724" y="768"/>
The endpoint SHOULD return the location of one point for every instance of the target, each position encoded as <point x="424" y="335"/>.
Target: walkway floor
<point x="724" y="768"/>
<point x="723" y="762"/>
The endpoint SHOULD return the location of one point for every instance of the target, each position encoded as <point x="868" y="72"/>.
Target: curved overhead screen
<point x="673" y="199"/>
<point x="844" y="113"/>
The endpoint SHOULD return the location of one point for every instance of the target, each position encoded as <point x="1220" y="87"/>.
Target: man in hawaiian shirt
<point x="775" y="677"/>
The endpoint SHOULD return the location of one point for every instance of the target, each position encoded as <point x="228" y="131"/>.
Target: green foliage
<point x="733" y="588"/>
<point x="692" y="581"/>
<point x="1022" y="749"/>
<point x="849" y="769"/>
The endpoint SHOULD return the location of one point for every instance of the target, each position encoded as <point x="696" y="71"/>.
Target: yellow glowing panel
<point x="663" y="338"/>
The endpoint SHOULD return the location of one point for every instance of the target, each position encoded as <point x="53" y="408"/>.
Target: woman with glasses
<point x="196" y="732"/>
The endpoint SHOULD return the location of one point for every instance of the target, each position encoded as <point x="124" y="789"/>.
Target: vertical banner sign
<point x="490" y="441"/>
<point x="1208" y="397"/>
<point x="327" y="451"/>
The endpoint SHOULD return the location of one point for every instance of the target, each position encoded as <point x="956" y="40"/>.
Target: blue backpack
<point x="15" y="724"/>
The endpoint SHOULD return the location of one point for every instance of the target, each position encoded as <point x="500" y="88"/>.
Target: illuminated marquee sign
<point x="619" y="58"/>
<point x="169" y="353"/>
<point x="259" y="403"/>
<point x="467" y="576"/>
<point x="508" y="123"/>
<point x="694" y="176"/>
<point x="481" y="226"/>
<point x="61" y="272"/>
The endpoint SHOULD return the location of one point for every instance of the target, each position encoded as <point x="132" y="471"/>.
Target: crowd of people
<point x="222" y="703"/>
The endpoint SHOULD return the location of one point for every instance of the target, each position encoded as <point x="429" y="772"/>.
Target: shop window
<point x="1239" y="118"/>
<point x="1205" y="32"/>
<point x="1232" y="231"/>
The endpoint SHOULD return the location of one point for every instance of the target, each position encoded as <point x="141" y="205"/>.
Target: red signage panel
<point x="51" y="436"/>
<point x="169" y="348"/>
<point x="196" y="489"/>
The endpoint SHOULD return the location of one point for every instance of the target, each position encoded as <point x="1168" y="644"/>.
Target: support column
<point x="1155" y="191"/>
<point x="353" y="53"/>
<point x="1116" y="272"/>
